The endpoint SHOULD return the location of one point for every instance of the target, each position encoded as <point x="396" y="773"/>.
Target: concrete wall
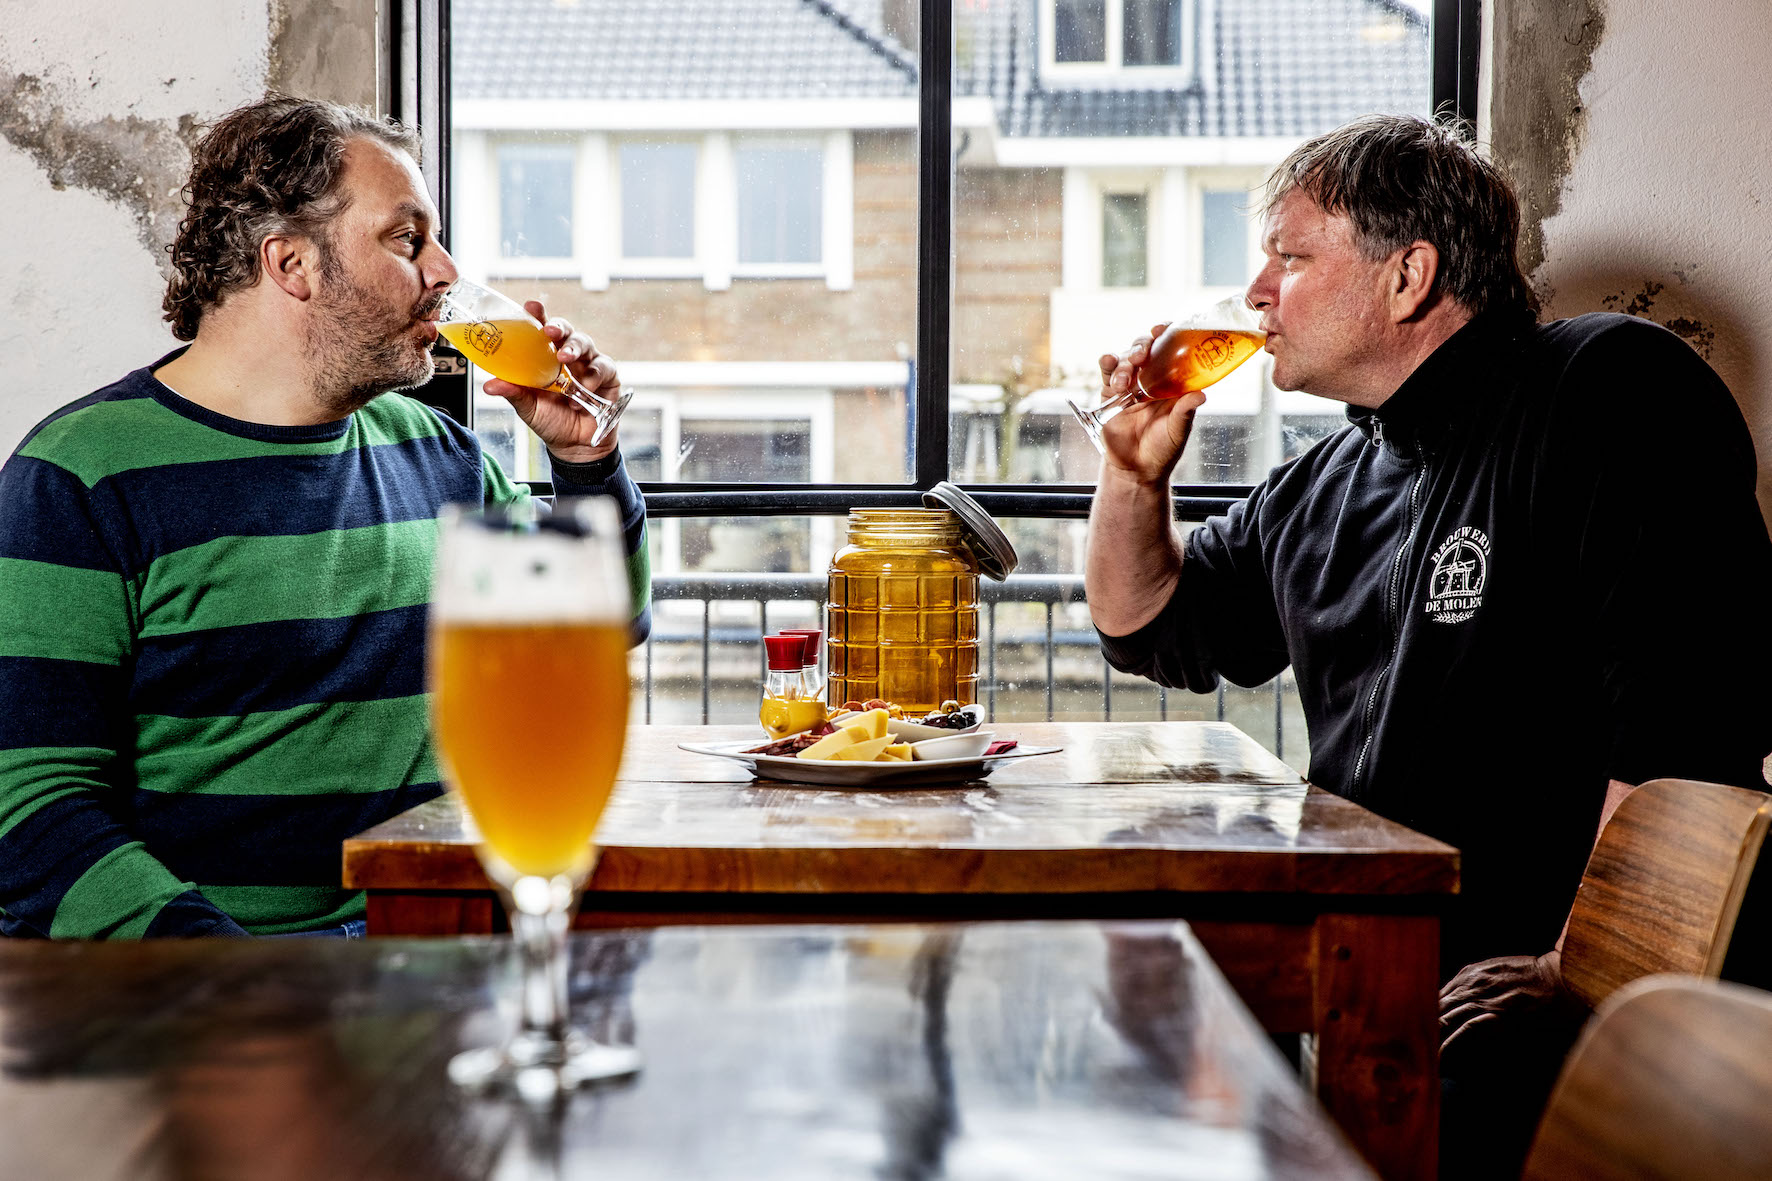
<point x="99" y="102"/>
<point x="1634" y="131"/>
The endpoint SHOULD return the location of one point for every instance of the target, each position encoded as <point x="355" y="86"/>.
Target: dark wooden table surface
<point x="1324" y="916"/>
<point x="1011" y="1050"/>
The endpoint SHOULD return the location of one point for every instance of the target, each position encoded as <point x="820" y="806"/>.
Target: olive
<point x="948" y="707"/>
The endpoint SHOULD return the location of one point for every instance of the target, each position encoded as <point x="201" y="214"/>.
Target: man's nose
<point x="1259" y="296"/>
<point x="442" y="273"/>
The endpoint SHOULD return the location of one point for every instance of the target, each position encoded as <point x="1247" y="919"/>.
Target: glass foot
<point x="538" y="1068"/>
<point x="1091" y="420"/>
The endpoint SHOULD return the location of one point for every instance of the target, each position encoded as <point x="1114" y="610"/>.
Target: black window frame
<point x="418" y="46"/>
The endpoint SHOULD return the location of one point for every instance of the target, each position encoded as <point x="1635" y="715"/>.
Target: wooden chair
<point x="1671" y="1080"/>
<point x="1663" y="886"/>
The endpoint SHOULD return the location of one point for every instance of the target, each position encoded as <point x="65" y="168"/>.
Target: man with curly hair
<point x="214" y="572"/>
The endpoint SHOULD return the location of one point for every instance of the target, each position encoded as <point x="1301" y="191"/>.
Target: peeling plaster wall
<point x="1641" y="152"/>
<point x="99" y="102"/>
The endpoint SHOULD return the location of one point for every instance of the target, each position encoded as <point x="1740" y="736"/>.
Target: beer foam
<point x="485" y="577"/>
<point x="1230" y="314"/>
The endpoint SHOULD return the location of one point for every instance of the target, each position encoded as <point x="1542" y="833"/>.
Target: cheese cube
<point x="898" y="750"/>
<point x="863" y="752"/>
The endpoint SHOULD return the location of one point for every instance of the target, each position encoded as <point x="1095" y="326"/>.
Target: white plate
<point x="844" y="773"/>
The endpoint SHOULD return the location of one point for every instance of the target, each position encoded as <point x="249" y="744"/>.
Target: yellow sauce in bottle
<point x="782" y="716"/>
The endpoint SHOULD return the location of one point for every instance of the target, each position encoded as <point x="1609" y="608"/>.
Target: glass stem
<point x="1119" y="402"/>
<point x="541" y="938"/>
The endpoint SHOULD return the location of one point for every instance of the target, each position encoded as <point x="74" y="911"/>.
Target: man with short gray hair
<point x="1496" y="621"/>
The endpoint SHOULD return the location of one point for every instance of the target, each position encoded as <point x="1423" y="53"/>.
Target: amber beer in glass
<point x="529" y="678"/>
<point x="1184" y="360"/>
<point x="535" y="804"/>
<point x="1188" y="356"/>
<point x="497" y="334"/>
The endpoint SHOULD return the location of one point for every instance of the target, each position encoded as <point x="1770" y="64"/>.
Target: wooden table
<point x="1324" y="916"/>
<point x="1022" y="1050"/>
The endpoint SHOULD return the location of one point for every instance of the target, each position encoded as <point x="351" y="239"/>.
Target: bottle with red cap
<point x="789" y="707"/>
<point x="809" y="669"/>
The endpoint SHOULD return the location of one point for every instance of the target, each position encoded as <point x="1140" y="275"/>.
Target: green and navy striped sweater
<point x="212" y="654"/>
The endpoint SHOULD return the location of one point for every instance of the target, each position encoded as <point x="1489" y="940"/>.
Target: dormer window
<point x="1115" y="42"/>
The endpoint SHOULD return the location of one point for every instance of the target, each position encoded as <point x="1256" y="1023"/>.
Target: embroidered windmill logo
<point x="1461" y="571"/>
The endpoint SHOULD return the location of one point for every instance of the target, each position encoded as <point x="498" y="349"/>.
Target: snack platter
<point x="874" y="748"/>
<point x="836" y="773"/>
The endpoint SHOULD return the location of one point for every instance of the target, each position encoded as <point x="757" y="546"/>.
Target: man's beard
<point x="357" y="348"/>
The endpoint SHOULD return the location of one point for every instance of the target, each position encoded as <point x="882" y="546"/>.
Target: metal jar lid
<point x="995" y="554"/>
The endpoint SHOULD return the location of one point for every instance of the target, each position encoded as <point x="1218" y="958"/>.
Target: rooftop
<point x="1271" y="67"/>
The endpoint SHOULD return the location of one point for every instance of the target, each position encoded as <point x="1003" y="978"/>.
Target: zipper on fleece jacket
<point x="1392" y="614"/>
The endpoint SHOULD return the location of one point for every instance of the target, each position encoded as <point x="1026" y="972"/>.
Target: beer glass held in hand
<point x="529" y="675"/>
<point x="1190" y="355"/>
<point x="499" y="336"/>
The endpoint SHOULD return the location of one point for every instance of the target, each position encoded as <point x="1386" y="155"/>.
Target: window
<point x="1081" y="30"/>
<point x="1113" y="40"/>
<point x="1151" y="32"/>
<point x="535" y="200"/>
<point x="1124" y="226"/>
<point x="766" y="451"/>
<point x="1224" y="238"/>
<point x="780" y="203"/>
<point x="657" y="200"/>
<point x="741" y="202"/>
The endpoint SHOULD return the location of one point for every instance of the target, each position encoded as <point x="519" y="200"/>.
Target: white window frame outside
<point x="715" y="261"/>
<point x="1200" y="181"/>
<point x="836" y="156"/>
<point x="1085" y="211"/>
<point x="1113" y="72"/>
<point x="707" y="175"/>
<point x="536" y="265"/>
<point x="479" y="249"/>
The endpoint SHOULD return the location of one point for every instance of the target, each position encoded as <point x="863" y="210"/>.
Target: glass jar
<point x="903" y="613"/>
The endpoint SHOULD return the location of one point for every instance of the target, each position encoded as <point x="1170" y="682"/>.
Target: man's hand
<point x="557" y="420"/>
<point x="1144" y="442"/>
<point x="1513" y="985"/>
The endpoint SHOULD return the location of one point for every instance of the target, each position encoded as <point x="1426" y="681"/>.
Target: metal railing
<point x="1050" y="591"/>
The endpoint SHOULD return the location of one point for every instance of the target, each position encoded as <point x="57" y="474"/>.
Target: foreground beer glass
<point x="529" y="675"/>
<point x="1190" y="355"/>
<point x="500" y="337"/>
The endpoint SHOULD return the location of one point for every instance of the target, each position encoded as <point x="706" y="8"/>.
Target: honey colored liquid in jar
<point x="903" y="611"/>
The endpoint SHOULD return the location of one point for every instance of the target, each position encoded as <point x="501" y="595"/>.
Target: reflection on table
<point x="1036" y="1050"/>
<point x="1324" y="916"/>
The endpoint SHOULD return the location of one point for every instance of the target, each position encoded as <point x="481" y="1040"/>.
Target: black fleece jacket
<point x="1538" y="566"/>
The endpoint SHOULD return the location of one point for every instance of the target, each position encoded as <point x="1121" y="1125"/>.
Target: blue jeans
<point x="349" y="929"/>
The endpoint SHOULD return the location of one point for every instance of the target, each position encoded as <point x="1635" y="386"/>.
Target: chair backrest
<point x="1672" y="1079"/>
<point x="1664" y="885"/>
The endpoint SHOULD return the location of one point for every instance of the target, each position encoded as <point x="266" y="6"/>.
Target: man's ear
<point x="291" y="262"/>
<point x="1412" y="279"/>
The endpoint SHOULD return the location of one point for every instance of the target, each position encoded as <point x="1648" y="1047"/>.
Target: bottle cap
<point x="812" y="635"/>
<point x="988" y="543"/>
<point x="786" y="653"/>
